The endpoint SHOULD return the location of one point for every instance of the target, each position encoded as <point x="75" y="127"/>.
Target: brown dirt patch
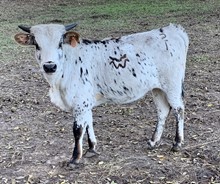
<point x="36" y="137"/>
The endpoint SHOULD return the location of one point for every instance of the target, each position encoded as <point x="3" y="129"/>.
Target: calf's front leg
<point x="91" y="141"/>
<point x="78" y="132"/>
<point x="82" y="123"/>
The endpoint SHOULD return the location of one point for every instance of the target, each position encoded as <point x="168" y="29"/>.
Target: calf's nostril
<point x="49" y="68"/>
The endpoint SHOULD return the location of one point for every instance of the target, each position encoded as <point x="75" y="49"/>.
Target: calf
<point x="85" y="73"/>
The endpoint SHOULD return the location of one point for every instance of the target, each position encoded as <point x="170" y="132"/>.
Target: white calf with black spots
<point x="85" y="73"/>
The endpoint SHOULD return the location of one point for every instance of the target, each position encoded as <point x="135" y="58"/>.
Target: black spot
<point x="115" y="52"/>
<point x="86" y="41"/>
<point x="76" y="62"/>
<point x="77" y="132"/>
<point x="65" y="56"/>
<point x="81" y="71"/>
<point x="60" y="46"/>
<point x="112" y="90"/>
<point x="114" y="59"/>
<point x="115" y="81"/>
<point x="62" y="75"/>
<point x="99" y="86"/>
<point x="117" y="40"/>
<point x="80" y="59"/>
<point x="87" y="72"/>
<point x="166" y="44"/>
<point x="137" y="55"/>
<point x="133" y="72"/>
<point x="85" y="104"/>
<point x="120" y="93"/>
<point x="125" y="88"/>
<point x="96" y="41"/>
<point x="39" y="57"/>
<point x="161" y="30"/>
<point x="36" y="44"/>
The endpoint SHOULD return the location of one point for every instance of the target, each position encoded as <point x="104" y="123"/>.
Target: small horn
<point x="70" y="26"/>
<point x="24" y="28"/>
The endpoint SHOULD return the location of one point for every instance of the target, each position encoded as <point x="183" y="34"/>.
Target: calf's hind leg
<point x="177" y="104"/>
<point x="163" y="109"/>
<point x="179" y="138"/>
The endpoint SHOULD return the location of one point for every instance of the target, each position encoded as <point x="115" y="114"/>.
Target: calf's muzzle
<point x="50" y="67"/>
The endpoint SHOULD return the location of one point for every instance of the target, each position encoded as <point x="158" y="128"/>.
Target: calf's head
<point x="48" y="40"/>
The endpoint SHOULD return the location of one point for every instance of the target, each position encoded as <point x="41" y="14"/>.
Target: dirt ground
<point x="36" y="137"/>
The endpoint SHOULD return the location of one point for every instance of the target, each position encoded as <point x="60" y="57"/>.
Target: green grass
<point x="100" y="18"/>
<point x="122" y="15"/>
<point x="200" y="58"/>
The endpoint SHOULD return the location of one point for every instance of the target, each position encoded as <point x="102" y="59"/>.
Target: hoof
<point x="91" y="153"/>
<point x="176" y="148"/>
<point x="150" y="144"/>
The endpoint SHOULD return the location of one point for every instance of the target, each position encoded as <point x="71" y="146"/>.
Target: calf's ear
<point x="71" y="38"/>
<point x="23" y="39"/>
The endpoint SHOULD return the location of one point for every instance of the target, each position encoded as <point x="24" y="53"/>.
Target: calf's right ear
<point x="23" y="39"/>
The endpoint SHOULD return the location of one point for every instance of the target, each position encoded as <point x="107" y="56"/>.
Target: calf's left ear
<point x="23" y="38"/>
<point x="71" y="38"/>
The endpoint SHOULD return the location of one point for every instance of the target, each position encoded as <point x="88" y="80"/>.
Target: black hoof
<point x="91" y="153"/>
<point x="74" y="161"/>
<point x="176" y="148"/>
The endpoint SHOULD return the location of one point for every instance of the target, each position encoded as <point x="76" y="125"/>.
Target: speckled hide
<point x="85" y="73"/>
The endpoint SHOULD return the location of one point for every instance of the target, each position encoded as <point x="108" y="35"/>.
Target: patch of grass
<point x="135" y="8"/>
<point x="121" y="15"/>
<point x="200" y="58"/>
<point x="98" y="19"/>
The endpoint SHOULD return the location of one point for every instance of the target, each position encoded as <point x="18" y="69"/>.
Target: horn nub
<point x="24" y="28"/>
<point x="70" y="26"/>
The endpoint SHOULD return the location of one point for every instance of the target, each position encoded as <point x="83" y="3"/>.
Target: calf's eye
<point x="60" y="45"/>
<point x="35" y="43"/>
<point x="37" y="46"/>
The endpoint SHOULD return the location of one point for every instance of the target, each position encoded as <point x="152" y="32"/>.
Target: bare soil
<point x="36" y="137"/>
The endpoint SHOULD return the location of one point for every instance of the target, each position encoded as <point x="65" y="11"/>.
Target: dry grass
<point x="36" y="138"/>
